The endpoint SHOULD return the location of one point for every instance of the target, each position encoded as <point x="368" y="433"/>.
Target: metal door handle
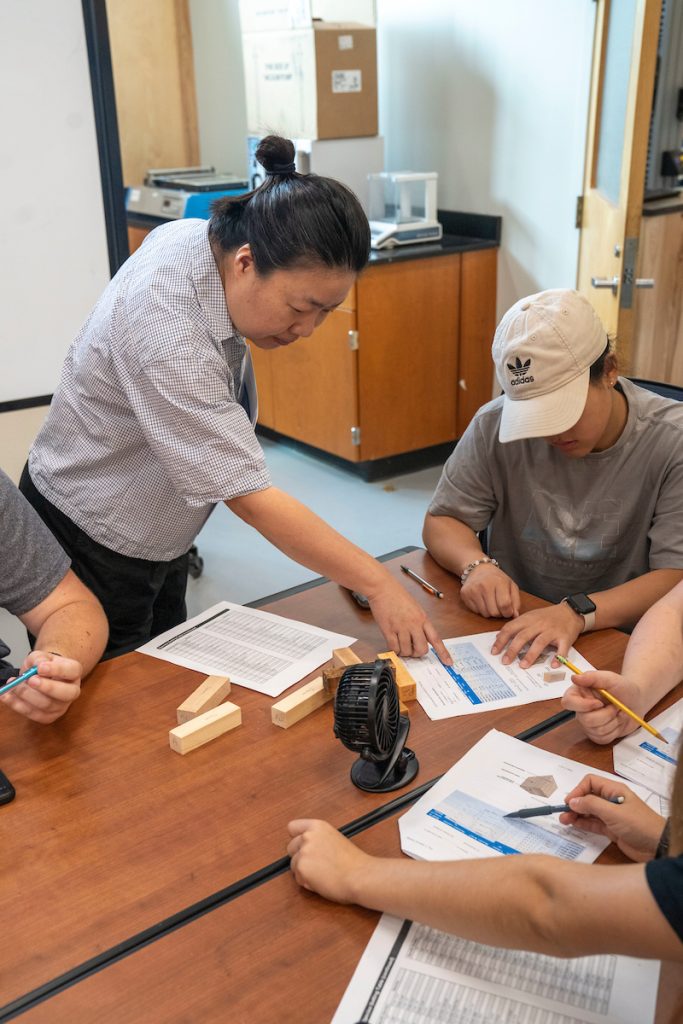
<point x="606" y="282"/>
<point x="644" y="282"/>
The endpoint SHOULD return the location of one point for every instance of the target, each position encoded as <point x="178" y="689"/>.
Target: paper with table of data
<point x="643" y="758"/>
<point x="256" y="649"/>
<point x="463" y="814"/>
<point x="411" y="974"/>
<point x="479" y="681"/>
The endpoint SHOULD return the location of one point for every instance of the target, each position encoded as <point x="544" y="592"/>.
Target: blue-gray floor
<point x="240" y="566"/>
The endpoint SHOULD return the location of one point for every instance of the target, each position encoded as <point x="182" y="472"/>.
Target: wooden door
<point x="156" y="105"/>
<point x="624" y="59"/>
<point x="408" y="336"/>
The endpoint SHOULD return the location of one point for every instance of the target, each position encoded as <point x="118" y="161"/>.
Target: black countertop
<point x="463" y="232"/>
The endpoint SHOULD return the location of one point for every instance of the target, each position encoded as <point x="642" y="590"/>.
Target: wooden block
<point x="299" y="704"/>
<point x="331" y="676"/>
<point x="203" y="728"/>
<point x="344" y="656"/>
<point x="553" y="675"/>
<point x="407" y="687"/>
<point x="403" y="708"/>
<point x="208" y="694"/>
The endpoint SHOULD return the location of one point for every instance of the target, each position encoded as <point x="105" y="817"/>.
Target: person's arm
<point x="558" y="626"/>
<point x="532" y="902"/>
<point x="71" y="633"/>
<point x="488" y="590"/>
<point x="307" y="539"/>
<point x="653" y="665"/>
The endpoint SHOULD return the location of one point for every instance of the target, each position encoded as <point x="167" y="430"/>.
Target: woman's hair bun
<point x="274" y="152"/>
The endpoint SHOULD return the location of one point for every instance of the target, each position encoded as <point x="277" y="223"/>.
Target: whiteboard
<point x="53" y="241"/>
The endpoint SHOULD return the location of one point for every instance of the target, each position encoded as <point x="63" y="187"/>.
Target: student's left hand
<point x="323" y="861"/>
<point x="555" y="626"/>
<point x="48" y="695"/>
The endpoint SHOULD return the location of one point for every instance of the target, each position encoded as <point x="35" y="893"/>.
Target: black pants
<point x="141" y="598"/>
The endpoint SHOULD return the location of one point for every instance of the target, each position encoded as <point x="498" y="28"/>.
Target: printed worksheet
<point x="643" y="758"/>
<point x="478" y="680"/>
<point x="463" y="814"/>
<point x="411" y="974"/>
<point x="256" y="649"/>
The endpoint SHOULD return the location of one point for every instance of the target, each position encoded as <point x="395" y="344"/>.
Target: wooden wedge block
<point x="407" y="687"/>
<point x="299" y="704"/>
<point x="208" y="694"/>
<point x="331" y="676"/>
<point x="203" y="728"/>
<point x="344" y="656"/>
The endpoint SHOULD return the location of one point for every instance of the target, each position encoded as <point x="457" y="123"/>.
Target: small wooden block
<point x="407" y="687"/>
<point x="344" y="656"/>
<point x="331" y="676"/>
<point x="299" y="704"/>
<point x="208" y="694"/>
<point x="403" y="708"/>
<point x="203" y="728"/>
<point x="553" y="675"/>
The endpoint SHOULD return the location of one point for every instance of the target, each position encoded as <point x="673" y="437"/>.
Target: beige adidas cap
<point x="543" y="350"/>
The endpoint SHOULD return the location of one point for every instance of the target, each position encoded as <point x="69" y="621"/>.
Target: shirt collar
<point x="210" y="292"/>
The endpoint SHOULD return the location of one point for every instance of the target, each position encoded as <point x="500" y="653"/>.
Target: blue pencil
<point x="20" y="679"/>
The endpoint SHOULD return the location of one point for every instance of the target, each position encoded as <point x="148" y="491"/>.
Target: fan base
<point x="369" y="775"/>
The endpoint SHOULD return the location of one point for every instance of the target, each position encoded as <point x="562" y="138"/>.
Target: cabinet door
<point x="312" y="394"/>
<point x="477" y="326"/>
<point x="408" y="326"/>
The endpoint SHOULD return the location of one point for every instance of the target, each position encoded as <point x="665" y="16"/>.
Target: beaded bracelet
<point x="473" y="565"/>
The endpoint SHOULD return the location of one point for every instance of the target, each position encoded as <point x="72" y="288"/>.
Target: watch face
<point x="581" y="603"/>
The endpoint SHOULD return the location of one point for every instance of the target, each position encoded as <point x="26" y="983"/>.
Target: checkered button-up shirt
<point x="150" y="426"/>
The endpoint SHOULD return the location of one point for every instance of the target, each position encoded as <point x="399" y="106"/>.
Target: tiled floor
<point x="240" y="566"/>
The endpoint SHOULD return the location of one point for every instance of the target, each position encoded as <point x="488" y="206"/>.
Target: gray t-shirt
<point x="152" y="423"/>
<point x="33" y="563"/>
<point x="560" y="526"/>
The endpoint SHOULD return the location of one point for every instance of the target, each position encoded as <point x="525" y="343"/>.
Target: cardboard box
<point x="314" y="83"/>
<point x="347" y="160"/>
<point x="284" y="15"/>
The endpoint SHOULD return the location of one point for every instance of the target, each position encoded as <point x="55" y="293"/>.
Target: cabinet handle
<point x="462" y="383"/>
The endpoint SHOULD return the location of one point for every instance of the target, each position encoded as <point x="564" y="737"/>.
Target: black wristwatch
<point x="582" y="605"/>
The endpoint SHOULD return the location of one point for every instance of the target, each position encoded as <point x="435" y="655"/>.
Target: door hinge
<point x="353" y="340"/>
<point x="355" y="435"/>
<point x="578" y="219"/>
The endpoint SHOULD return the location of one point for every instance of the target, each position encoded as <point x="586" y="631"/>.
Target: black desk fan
<point x="367" y="720"/>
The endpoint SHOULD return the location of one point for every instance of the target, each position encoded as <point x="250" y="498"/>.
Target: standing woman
<point x="153" y="421"/>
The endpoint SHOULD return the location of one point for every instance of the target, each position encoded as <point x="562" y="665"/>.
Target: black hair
<point x="293" y="219"/>
<point x="597" y="369"/>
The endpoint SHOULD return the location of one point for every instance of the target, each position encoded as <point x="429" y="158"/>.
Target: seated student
<point x="578" y="476"/>
<point x="653" y="664"/>
<point x="532" y="902"/>
<point x="67" y="620"/>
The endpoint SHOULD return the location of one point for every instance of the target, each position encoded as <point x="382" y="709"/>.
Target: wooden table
<point x="112" y="833"/>
<point x="277" y="955"/>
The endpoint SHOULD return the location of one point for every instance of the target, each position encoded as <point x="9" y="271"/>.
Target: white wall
<point x="493" y="95"/>
<point x="219" y="79"/>
<point x="53" y="247"/>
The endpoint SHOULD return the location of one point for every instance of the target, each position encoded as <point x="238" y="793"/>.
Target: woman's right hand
<point x="632" y="825"/>
<point x="490" y="592"/>
<point x="602" y="722"/>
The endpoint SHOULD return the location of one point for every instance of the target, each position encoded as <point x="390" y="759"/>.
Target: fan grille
<point x="366" y="709"/>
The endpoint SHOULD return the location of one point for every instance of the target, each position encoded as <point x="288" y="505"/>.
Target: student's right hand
<point x="602" y="722"/>
<point x="633" y="826"/>
<point x="323" y="860"/>
<point x="48" y="695"/>
<point x="490" y="592"/>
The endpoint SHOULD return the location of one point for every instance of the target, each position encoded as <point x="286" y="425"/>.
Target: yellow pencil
<point x="617" y="703"/>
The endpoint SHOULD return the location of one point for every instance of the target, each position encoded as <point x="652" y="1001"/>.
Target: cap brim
<point x="544" y="415"/>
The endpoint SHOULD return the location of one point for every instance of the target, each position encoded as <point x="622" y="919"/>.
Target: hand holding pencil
<point x="631" y="824"/>
<point x="604" y="722"/>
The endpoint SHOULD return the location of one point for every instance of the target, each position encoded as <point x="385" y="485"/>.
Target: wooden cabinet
<point x="403" y="365"/>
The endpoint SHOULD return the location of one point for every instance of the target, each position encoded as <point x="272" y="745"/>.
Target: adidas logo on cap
<point x="519" y="369"/>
